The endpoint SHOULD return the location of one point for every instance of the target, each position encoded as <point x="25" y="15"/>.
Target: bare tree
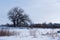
<point x="17" y="16"/>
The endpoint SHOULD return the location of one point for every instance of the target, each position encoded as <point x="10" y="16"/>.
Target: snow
<point x="31" y="34"/>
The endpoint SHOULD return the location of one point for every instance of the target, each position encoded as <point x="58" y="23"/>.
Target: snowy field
<point x="31" y="34"/>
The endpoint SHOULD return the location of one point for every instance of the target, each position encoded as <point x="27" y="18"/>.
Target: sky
<point x="39" y="11"/>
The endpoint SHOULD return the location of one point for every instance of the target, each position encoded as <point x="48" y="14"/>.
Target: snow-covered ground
<point x="32" y="34"/>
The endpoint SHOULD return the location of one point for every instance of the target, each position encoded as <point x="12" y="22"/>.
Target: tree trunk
<point x="14" y="23"/>
<point x="17" y="23"/>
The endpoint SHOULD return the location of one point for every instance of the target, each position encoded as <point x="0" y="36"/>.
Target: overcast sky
<point x="39" y="11"/>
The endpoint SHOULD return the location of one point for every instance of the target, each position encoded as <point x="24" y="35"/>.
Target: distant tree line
<point x="44" y="25"/>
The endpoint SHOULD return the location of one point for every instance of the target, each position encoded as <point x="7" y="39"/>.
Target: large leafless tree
<point x="17" y="16"/>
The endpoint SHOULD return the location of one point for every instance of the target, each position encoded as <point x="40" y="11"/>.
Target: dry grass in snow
<point x="6" y="33"/>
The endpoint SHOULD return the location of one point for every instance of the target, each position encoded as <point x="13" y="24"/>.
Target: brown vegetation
<point x="6" y="33"/>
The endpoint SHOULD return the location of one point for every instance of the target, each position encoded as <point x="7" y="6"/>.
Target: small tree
<point x="17" y="16"/>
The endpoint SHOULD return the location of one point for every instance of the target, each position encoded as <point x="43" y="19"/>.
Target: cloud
<point x="46" y="10"/>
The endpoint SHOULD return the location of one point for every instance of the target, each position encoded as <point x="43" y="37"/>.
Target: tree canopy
<point x="18" y="17"/>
